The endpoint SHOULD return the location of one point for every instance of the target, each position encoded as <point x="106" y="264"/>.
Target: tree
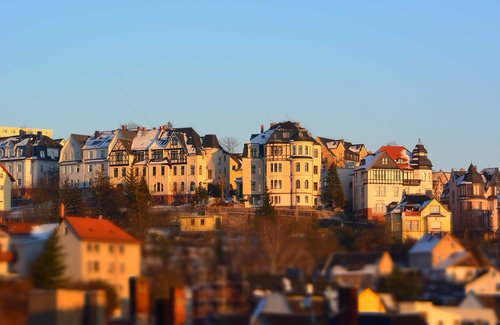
<point x="71" y="198"/>
<point x="105" y="199"/>
<point x="403" y="285"/>
<point x="200" y="195"/>
<point x="47" y="270"/>
<point x="230" y="144"/>
<point x="333" y="194"/>
<point x="267" y="209"/>
<point x="45" y="197"/>
<point x="138" y="198"/>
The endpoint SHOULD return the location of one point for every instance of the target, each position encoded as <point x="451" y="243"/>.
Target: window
<point x="209" y="172"/>
<point x="162" y="170"/>
<point x="191" y="170"/>
<point x="306" y="184"/>
<point x="175" y="170"/>
<point x="96" y="247"/>
<point x="253" y="152"/>
<point x="297" y="184"/>
<point x="297" y="167"/>
<point x="306" y="198"/>
<point x="306" y="167"/>
<point x="297" y="199"/>
<point x="435" y="209"/>
<point x="115" y="172"/>
<point x="154" y="170"/>
<point x="316" y="153"/>
<point x="90" y="168"/>
<point x="253" y="169"/>
<point x="253" y="186"/>
<point x="182" y="187"/>
<point x="300" y="150"/>
<point x="175" y="186"/>
<point x="380" y="191"/>
<point x="111" y="248"/>
<point x="384" y="161"/>
<point x="380" y="207"/>
<point x="315" y="170"/>
<point x="315" y="186"/>
<point x="395" y="191"/>
<point x="307" y="150"/>
<point x="411" y="225"/>
<point x="122" y="249"/>
<point x="192" y="222"/>
<point x="182" y="170"/>
<point x="91" y="155"/>
<point x="200" y="170"/>
<point x="103" y="153"/>
<point x="294" y="150"/>
<point x="192" y="186"/>
<point x="124" y="172"/>
<point x="96" y="266"/>
<point x="202" y="222"/>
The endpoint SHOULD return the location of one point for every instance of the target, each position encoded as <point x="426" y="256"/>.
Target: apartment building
<point x="71" y="160"/>
<point x="384" y="176"/>
<point x="472" y="197"/>
<point x="29" y="158"/>
<point x="286" y="161"/>
<point x="342" y="153"/>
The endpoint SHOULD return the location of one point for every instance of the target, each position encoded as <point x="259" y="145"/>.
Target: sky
<point x="372" y="72"/>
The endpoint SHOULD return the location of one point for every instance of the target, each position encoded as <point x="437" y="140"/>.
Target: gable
<point x="384" y="161"/>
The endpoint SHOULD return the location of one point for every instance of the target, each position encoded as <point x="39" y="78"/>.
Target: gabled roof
<point x="80" y="139"/>
<point x="144" y="139"/>
<point x="211" y="141"/>
<point x="102" y="230"/>
<point x="352" y="260"/>
<point x="473" y="176"/>
<point x="398" y="153"/>
<point x="12" y="179"/>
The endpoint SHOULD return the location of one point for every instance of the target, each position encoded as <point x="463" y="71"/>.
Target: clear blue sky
<point x="368" y="71"/>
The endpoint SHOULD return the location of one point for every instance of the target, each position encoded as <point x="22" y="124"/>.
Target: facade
<point x="384" y="176"/>
<point x="236" y="174"/>
<point x="431" y="250"/>
<point x="472" y="197"/>
<point x="486" y="284"/>
<point x="71" y="160"/>
<point x="9" y="131"/>
<point x="6" y="180"/>
<point x="286" y="161"/>
<point x="439" y="181"/>
<point x="416" y="215"/>
<point x="30" y="159"/>
<point x="342" y="153"/>
<point x="199" y="223"/>
<point x="96" y="249"/>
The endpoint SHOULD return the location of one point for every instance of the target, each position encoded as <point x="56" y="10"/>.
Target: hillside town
<point x="163" y="225"/>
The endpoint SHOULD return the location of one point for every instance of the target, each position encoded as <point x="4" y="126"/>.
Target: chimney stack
<point x="124" y="127"/>
<point x="96" y="134"/>
<point x="262" y="128"/>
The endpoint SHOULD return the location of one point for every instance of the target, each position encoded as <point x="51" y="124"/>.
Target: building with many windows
<point x="473" y="197"/>
<point x="71" y="160"/>
<point x="286" y="161"/>
<point x="383" y="177"/>
<point x="30" y="159"/>
<point x="341" y="153"/>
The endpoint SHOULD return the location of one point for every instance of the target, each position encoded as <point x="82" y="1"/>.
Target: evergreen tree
<point x="267" y="209"/>
<point x="138" y="199"/>
<point x="105" y="199"/>
<point x="47" y="270"/>
<point x="200" y="195"/>
<point x="333" y="194"/>
<point x="71" y="198"/>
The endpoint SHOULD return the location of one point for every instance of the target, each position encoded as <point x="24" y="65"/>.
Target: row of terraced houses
<point x="392" y="184"/>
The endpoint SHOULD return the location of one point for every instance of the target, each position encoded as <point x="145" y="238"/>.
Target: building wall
<point x="70" y="164"/>
<point x="5" y="191"/>
<point x="199" y="223"/>
<point x="370" y="302"/>
<point x="7" y="131"/>
<point x="487" y="284"/>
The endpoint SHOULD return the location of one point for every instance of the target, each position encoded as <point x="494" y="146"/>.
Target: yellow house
<point x="432" y="250"/>
<point x="96" y="249"/>
<point x="199" y="223"/>
<point x="370" y="301"/>
<point x="416" y="215"/>
<point x="6" y="181"/>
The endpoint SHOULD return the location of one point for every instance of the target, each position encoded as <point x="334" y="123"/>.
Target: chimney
<point x="61" y="210"/>
<point x="39" y="135"/>
<point x="348" y="306"/>
<point x="22" y="132"/>
<point x="262" y="128"/>
<point x="124" y="127"/>
<point x="96" y="134"/>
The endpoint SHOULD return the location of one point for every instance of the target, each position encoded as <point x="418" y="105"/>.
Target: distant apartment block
<point x="383" y="177"/>
<point x="29" y="158"/>
<point x="8" y="131"/>
<point x="473" y="200"/>
<point x="286" y="161"/>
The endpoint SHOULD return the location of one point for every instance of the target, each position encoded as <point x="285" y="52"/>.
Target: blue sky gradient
<point x="368" y="71"/>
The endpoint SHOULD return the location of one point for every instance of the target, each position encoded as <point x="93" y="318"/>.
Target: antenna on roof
<point x="419" y="141"/>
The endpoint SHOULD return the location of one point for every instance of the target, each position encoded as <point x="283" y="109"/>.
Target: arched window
<point x="306" y="184"/>
<point x="297" y="184"/>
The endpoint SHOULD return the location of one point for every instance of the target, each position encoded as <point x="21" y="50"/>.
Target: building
<point x="236" y="174"/>
<point x="439" y="181"/>
<point x="6" y="180"/>
<point x="416" y="215"/>
<point x="199" y="223"/>
<point x="71" y="161"/>
<point x="384" y="176"/>
<point x="30" y="159"/>
<point x="433" y="249"/>
<point x="342" y="153"/>
<point x="487" y="283"/>
<point x="472" y="197"/>
<point x="96" y="249"/>
<point x="9" y="131"/>
<point x="286" y="161"/>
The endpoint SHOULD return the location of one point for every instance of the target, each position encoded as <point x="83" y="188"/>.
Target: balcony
<point x="411" y="182"/>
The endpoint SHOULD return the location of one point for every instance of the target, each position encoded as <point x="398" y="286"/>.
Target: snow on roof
<point x="370" y="160"/>
<point x="452" y="260"/>
<point x="263" y="137"/>
<point x="144" y="139"/>
<point x="44" y="231"/>
<point x="426" y="244"/>
<point x="100" y="142"/>
<point x="23" y="142"/>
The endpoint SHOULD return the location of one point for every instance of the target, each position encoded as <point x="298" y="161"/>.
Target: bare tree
<point x="230" y="144"/>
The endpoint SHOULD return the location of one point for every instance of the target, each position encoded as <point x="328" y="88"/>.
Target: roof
<point x="427" y="243"/>
<point x="419" y="158"/>
<point x="353" y="260"/>
<point x="398" y="153"/>
<point x="92" y="229"/>
<point x="211" y="141"/>
<point x="100" y="140"/>
<point x="80" y="138"/>
<point x="144" y="139"/>
<point x="12" y="179"/>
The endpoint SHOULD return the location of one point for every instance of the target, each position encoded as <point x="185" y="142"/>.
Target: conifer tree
<point x="333" y="194"/>
<point x="47" y="270"/>
<point x="71" y="198"/>
<point x="138" y="199"/>
<point x="105" y="200"/>
<point x="267" y="209"/>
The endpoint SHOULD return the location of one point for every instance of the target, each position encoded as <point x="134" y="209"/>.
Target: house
<point x="472" y="197"/>
<point x="96" y="249"/>
<point x="199" y="223"/>
<point x="236" y="174"/>
<point x="120" y="158"/>
<point x="341" y="153"/>
<point x="384" y="176"/>
<point x="416" y="215"/>
<point x="369" y="301"/>
<point x="357" y="269"/>
<point x="218" y="162"/>
<point x="432" y="250"/>
<point x="9" y="131"/>
<point x="30" y="159"/>
<point x="485" y="284"/>
<point x="448" y="315"/>
<point x="284" y="160"/>
<point x="71" y="161"/>
<point x="474" y="301"/>
<point x="439" y="181"/>
<point x="6" y="180"/>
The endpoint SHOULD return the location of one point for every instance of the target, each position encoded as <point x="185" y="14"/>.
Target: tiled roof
<point x="92" y="229"/>
<point x="398" y="152"/>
